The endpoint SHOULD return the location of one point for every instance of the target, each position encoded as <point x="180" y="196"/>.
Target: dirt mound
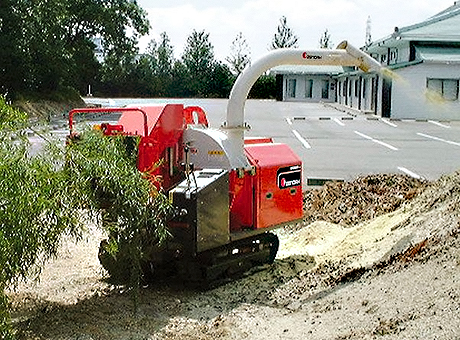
<point x="47" y="110"/>
<point x="395" y="275"/>
<point x="367" y="197"/>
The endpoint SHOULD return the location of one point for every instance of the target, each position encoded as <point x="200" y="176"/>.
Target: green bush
<point x="103" y="171"/>
<point x="44" y="197"/>
<point x="35" y="209"/>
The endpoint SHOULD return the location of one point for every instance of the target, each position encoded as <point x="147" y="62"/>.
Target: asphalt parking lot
<point x="339" y="145"/>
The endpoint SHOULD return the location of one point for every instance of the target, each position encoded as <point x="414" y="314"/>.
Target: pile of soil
<point x="54" y="110"/>
<point x="395" y="276"/>
<point x="367" y="197"/>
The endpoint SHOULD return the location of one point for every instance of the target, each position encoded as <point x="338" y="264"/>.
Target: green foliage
<point x="148" y="75"/>
<point x="45" y="196"/>
<point x="35" y="211"/>
<point x="163" y="55"/>
<point x="46" y="44"/>
<point x="163" y="66"/>
<point x="10" y="118"/>
<point x="35" y="208"/>
<point x="221" y="81"/>
<point x="158" y="74"/>
<point x="48" y="53"/>
<point x="102" y="170"/>
<point x="6" y="332"/>
<point x="264" y="88"/>
<point x="198" y="59"/>
<point x="179" y="81"/>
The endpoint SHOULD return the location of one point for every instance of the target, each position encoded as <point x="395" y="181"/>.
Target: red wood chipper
<point x="228" y="191"/>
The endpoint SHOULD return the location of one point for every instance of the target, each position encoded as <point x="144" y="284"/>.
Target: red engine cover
<point x="271" y="197"/>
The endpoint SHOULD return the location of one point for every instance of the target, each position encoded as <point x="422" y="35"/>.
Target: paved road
<point x="335" y="144"/>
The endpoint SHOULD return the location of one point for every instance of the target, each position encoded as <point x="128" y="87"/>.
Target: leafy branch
<point x="45" y="197"/>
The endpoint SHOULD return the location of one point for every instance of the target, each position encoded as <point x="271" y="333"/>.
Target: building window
<point x="291" y="88"/>
<point x="356" y="87"/>
<point x="364" y="87"/>
<point x="325" y="89"/>
<point x="446" y="88"/>
<point x="309" y="88"/>
<point x="393" y="56"/>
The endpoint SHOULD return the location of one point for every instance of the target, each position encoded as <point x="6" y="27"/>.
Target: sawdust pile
<point x="418" y="226"/>
<point x="347" y="203"/>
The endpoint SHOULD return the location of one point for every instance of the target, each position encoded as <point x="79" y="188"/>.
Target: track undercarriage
<point x="206" y="269"/>
<point x="230" y="261"/>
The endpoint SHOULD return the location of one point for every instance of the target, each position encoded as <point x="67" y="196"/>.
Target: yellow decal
<point x="216" y="152"/>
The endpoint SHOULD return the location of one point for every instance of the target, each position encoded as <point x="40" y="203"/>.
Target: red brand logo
<point x="305" y="55"/>
<point x="290" y="176"/>
<point x="283" y="182"/>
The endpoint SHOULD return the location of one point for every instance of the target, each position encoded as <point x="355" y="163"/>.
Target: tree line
<point x="156" y="73"/>
<point x="48" y="53"/>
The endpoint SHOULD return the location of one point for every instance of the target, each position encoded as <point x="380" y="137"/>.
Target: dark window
<point x="445" y="88"/>
<point x="292" y="83"/>
<point x="309" y="88"/>
<point x="325" y="89"/>
<point x="364" y="87"/>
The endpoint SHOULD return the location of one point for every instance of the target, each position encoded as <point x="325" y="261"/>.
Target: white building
<point x="307" y="83"/>
<point x="423" y="79"/>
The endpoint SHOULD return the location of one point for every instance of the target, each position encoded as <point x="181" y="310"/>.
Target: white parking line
<point x="338" y="122"/>
<point x="289" y="120"/>
<point x="391" y="147"/>
<point x="438" y="139"/>
<point x="386" y="121"/>
<point x="301" y="139"/>
<point x="410" y="173"/>
<point x="439" y="124"/>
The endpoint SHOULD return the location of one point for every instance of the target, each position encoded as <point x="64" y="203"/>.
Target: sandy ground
<point x="396" y="276"/>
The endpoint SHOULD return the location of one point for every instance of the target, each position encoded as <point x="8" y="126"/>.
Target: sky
<point x="257" y="20"/>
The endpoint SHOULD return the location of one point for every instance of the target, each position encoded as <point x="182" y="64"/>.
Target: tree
<point x="325" y="40"/>
<point x="221" y="81"/>
<point x="198" y="59"/>
<point x="35" y="209"/>
<point x="264" y="88"/>
<point x="48" y="42"/>
<point x="239" y="56"/>
<point x="284" y="37"/>
<point x="41" y="200"/>
<point x="162" y="64"/>
<point x="179" y="81"/>
<point x="114" y="78"/>
<point x="12" y="69"/>
<point x="164" y="55"/>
